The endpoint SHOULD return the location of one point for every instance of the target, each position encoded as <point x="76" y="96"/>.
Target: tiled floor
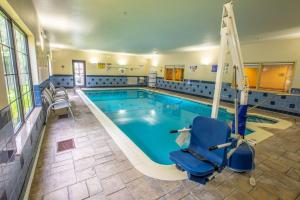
<point x="97" y="169"/>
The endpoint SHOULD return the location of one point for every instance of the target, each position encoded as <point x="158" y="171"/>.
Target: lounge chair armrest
<point x="60" y="90"/>
<point x="61" y="100"/>
<point x="55" y="103"/>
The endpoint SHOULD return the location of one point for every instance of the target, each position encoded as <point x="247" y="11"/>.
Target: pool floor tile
<point x="97" y="169"/>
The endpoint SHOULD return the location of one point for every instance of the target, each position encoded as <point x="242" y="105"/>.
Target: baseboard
<point x="32" y="172"/>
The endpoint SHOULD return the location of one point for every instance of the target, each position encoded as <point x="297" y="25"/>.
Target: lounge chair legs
<point x="70" y="110"/>
<point x="48" y="112"/>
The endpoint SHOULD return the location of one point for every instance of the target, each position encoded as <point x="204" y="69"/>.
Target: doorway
<point x="79" y="73"/>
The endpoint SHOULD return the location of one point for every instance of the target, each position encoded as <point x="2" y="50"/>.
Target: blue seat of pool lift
<point x="198" y="160"/>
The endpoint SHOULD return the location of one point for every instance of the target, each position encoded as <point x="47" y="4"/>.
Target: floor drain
<point x="65" y="145"/>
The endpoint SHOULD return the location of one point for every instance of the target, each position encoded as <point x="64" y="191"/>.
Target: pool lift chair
<point x="212" y="146"/>
<point x="198" y="159"/>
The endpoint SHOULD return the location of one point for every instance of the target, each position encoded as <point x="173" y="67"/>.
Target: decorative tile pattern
<point x="113" y="81"/>
<point x="37" y="90"/>
<point x="44" y="84"/>
<point x="66" y="81"/>
<point x="295" y="90"/>
<point x="98" y="81"/>
<point x="284" y="103"/>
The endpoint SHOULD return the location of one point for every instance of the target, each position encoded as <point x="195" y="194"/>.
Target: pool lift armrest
<point x="234" y="144"/>
<point x="180" y="130"/>
<point x="183" y="137"/>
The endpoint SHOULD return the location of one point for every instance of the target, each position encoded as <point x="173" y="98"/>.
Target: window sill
<point x="24" y="132"/>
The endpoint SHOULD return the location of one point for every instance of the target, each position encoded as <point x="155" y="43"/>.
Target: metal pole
<point x="236" y="124"/>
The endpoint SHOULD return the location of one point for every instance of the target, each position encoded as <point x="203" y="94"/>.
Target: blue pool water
<point x="147" y="117"/>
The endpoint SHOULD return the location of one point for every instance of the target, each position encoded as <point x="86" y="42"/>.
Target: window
<point x="269" y="76"/>
<point x="174" y="72"/>
<point x="252" y="73"/>
<point x="15" y="61"/>
<point x="23" y="70"/>
<point x="169" y="71"/>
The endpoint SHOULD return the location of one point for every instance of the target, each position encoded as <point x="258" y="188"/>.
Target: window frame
<point x="29" y="70"/>
<point x="16" y="75"/>
<point x="259" y="75"/>
<point x="174" y="67"/>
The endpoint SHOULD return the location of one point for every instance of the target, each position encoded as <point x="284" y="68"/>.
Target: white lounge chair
<point x="56" y="104"/>
<point x="56" y="96"/>
<point x="61" y="91"/>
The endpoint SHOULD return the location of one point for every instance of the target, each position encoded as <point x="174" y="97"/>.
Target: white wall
<point x="264" y="51"/>
<point x="137" y="65"/>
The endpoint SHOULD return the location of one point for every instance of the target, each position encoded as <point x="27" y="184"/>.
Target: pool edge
<point x="134" y="154"/>
<point x="257" y="136"/>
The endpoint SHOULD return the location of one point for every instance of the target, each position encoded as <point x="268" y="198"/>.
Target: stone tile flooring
<point x="97" y="169"/>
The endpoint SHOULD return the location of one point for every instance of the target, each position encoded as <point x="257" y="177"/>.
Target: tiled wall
<point x="282" y="103"/>
<point x="15" y="168"/>
<point x="295" y="90"/>
<point x="97" y="81"/>
<point x="38" y="89"/>
<point x="114" y="81"/>
<point x="62" y="81"/>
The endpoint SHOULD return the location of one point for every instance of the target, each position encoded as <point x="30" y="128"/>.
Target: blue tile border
<point x="37" y="95"/>
<point x="37" y="90"/>
<point x="94" y="81"/>
<point x="61" y="80"/>
<point x="113" y="81"/>
<point x="295" y="90"/>
<point x="287" y="104"/>
<point x="44" y="84"/>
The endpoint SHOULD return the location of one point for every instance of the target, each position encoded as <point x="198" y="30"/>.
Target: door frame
<point x="84" y="70"/>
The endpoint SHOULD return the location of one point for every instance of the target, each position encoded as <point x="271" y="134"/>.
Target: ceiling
<point x="144" y="26"/>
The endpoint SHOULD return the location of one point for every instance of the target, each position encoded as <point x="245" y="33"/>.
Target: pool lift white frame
<point x="230" y="42"/>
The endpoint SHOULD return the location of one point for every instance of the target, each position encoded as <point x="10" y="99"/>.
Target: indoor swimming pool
<point x="146" y="117"/>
